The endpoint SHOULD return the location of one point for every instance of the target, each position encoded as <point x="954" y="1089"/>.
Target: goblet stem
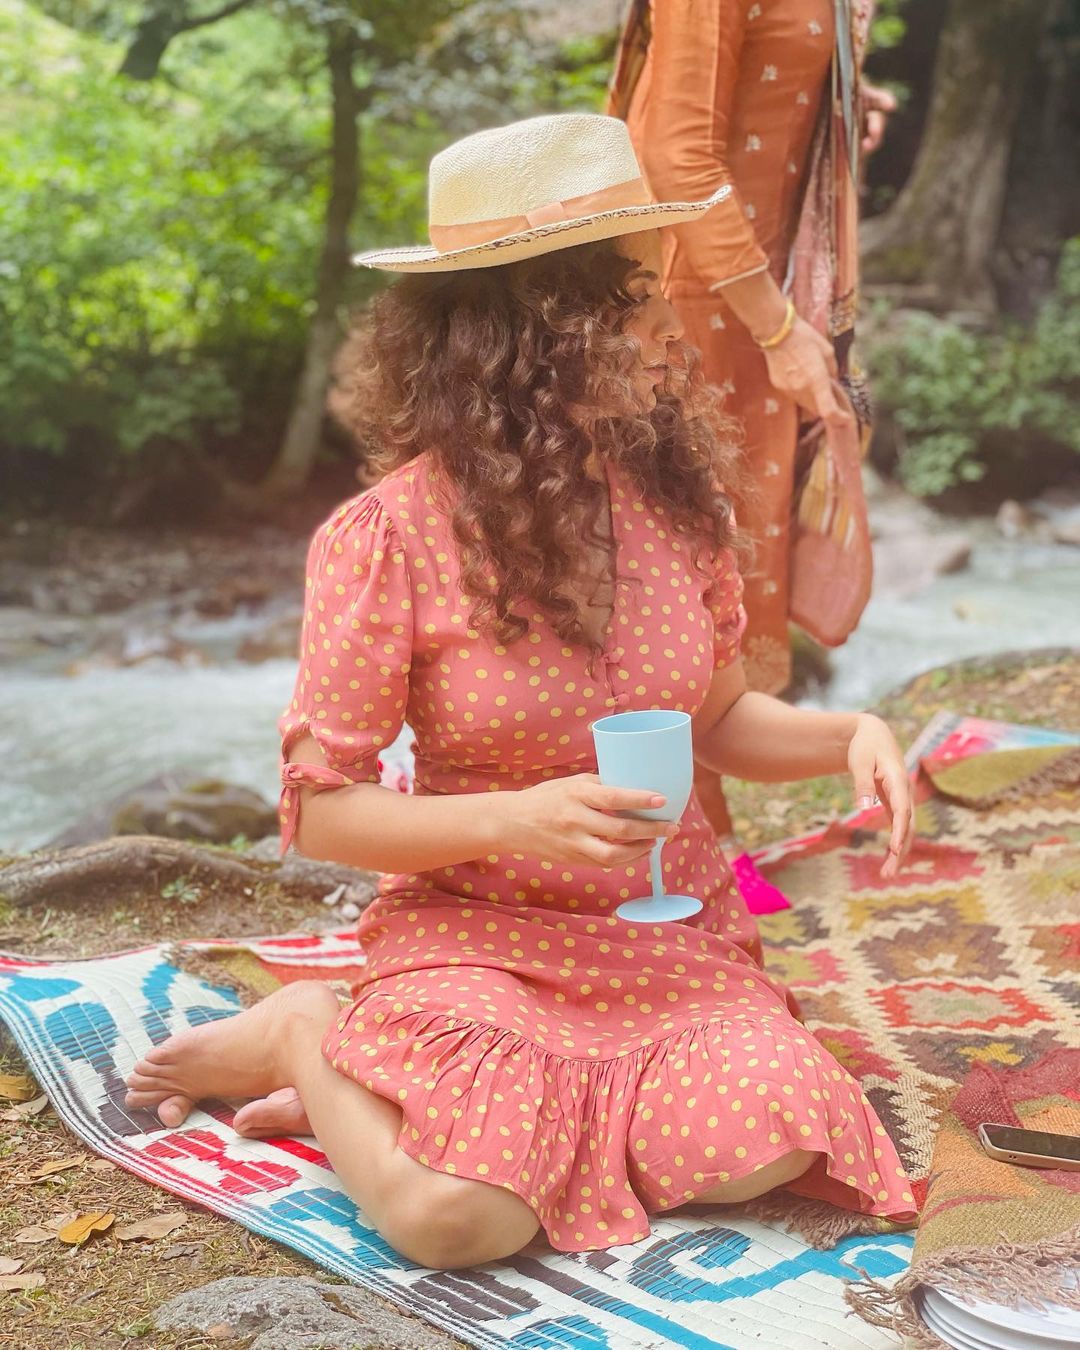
<point x="654" y="869"/>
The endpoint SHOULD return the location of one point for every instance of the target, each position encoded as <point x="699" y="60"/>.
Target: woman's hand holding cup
<point x="571" y="820"/>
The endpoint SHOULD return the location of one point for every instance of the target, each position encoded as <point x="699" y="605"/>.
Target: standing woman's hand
<point x="803" y="366"/>
<point x="878" y="105"/>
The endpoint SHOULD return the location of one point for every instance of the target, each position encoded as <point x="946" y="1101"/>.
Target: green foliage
<point x="889" y="25"/>
<point x="160" y="239"/>
<point x="155" y="260"/>
<point x="182" y="889"/>
<point x="958" y="397"/>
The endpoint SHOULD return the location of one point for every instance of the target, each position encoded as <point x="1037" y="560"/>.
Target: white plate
<point x="947" y="1334"/>
<point x="985" y="1338"/>
<point x="1057" y="1325"/>
<point x="956" y="1324"/>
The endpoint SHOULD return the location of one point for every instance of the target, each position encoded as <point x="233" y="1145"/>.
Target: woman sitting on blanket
<point x="552" y="547"/>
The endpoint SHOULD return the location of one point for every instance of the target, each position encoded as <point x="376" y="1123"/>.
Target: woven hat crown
<point x="512" y="170"/>
<point x="514" y="192"/>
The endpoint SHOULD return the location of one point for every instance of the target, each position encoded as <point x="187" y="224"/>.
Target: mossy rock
<point x="207" y="809"/>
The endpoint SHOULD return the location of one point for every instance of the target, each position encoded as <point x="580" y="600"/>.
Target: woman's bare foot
<point x="237" y="1056"/>
<point x="280" y="1112"/>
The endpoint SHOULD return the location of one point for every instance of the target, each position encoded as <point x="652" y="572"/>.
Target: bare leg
<point x="767" y="1178"/>
<point x="433" y="1218"/>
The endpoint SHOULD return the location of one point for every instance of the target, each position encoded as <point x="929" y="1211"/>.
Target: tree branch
<point x="223" y="13"/>
<point x="157" y="28"/>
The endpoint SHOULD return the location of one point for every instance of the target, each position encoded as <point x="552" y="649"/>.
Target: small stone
<point x="179" y="1249"/>
<point x="277" y="641"/>
<point x="1013" y="520"/>
<point x="1067" y="532"/>
<point x="904" y="565"/>
<point x="349" y="911"/>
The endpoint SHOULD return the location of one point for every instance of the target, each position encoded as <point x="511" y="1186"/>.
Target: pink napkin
<point x="761" y="896"/>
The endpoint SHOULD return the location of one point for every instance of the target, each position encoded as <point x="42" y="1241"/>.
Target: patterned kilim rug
<point x="970" y="956"/>
<point x="989" y="1231"/>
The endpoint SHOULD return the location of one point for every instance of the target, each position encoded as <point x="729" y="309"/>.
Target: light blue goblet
<point x="651" y="750"/>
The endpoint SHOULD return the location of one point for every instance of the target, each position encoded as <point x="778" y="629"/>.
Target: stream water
<point x="70" y="741"/>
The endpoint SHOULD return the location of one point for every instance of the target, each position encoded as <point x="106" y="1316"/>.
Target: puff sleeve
<point x="352" y="685"/>
<point x="679" y="124"/>
<point x="724" y="596"/>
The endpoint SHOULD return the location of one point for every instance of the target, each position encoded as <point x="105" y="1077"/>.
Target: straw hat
<point x="533" y="187"/>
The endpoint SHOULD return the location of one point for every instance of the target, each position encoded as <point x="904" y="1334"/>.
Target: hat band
<point x="633" y="192"/>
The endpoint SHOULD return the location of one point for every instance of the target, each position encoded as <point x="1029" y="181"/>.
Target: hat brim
<point x="544" y="239"/>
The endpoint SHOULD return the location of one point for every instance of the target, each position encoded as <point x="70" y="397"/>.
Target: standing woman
<point x="742" y="92"/>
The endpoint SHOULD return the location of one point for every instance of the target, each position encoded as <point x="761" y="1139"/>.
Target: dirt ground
<point x="102" y="1294"/>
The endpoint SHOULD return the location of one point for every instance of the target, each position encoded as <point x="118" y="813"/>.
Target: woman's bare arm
<point x="370" y="827"/>
<point x="756" y="737"/>
<point x="761" y="739"/>
<point x="570" y="819"/>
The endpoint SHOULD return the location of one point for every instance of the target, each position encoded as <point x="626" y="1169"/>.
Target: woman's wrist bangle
<point x="785" y="328"/>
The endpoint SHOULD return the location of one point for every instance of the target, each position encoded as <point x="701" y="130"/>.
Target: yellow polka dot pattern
<point x="602" y="1071"/>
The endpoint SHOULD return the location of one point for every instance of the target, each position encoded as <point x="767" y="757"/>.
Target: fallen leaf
<point x="81" y="1229"/>
<point x="101" y="1165"/>
<point x="24" y="1109"/>
<point x="60" y="1165"/>
<point x="157" y="1226"/>
<point x="11" y="1282"/>
<point x="17" y="1087"/>
<point x="47" y="1231"/>
<point x="182" y="1249"/>
<point x="35" y="1233"/>
<point x="8" y="1266"/>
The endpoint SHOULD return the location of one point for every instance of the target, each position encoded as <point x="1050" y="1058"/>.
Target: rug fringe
<point x="228" y="967"/>
<point x="1028" y="1271"/>
<point x="1062" y="773"/>
<point x="816" y="1221"/>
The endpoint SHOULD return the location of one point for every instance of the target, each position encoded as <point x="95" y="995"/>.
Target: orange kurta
<point x="730" y="92"/>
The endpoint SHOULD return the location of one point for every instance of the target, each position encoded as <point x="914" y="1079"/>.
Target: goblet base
<point x="658" y="909"/>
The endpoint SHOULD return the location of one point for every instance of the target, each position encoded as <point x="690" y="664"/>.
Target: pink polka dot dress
<point x="601" y="1070"/>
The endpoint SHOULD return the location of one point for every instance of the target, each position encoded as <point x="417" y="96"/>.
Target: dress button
<point x="621" y="700"/>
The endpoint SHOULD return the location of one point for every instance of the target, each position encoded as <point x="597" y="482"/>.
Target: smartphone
<point x="1031" y="1148"/>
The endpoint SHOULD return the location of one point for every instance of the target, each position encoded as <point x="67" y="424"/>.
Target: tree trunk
<point x="1042" y="200"/>
<point x="303" y="433"/>
<point x="938" y="239"/>
<point x="130" y="862"/>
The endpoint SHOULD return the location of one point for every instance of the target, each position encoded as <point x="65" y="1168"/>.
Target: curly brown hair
<point x="512" y="377"/>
